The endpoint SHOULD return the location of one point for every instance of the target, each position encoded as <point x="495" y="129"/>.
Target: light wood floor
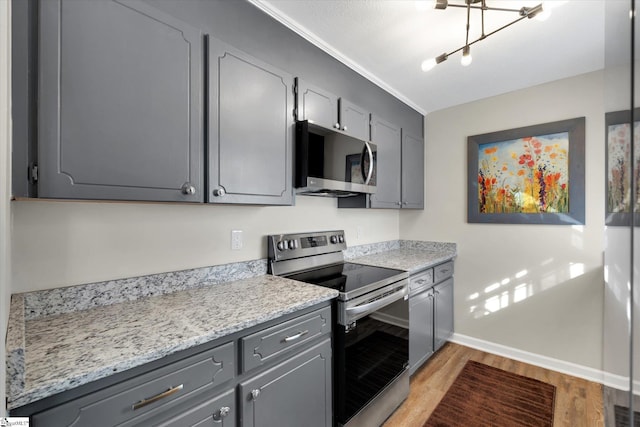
<point x="578" y="401"/>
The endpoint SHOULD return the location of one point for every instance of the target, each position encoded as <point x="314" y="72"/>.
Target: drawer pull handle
<point x="296" y="336"/>
<point x="157" y="397"/>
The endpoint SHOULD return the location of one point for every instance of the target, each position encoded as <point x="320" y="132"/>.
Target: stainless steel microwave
<point x="331" y="163"/>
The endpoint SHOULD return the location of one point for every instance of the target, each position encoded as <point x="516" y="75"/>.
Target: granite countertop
<point x="63" y="351"/>
<point x="62" y="338"/>
<point x="410" y="258"/>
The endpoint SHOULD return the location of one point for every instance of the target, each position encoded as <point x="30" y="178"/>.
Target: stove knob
<point x="282" y="245"/>
<point x="293" y="244"/>
<point x="341" y="238"/>
<point x="333" y="239"/>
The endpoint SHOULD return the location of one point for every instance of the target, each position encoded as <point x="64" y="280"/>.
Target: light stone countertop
<point x="410" y="258"/>
<point x="63" y="351"/>
<point x="62" y="338"/>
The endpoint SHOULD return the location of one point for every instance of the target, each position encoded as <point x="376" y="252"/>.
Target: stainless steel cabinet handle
<point x="255" y="393"/>
<point x="296" y="336"/>
<point x="188" y="189"/>
<point x="145" y="402"/>
<point x="377" y="303"/>
<point x="219" y="192"/>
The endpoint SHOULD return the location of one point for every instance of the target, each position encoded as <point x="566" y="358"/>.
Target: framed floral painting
<point x="618" y="167"/>
<point x="528" y="175"/>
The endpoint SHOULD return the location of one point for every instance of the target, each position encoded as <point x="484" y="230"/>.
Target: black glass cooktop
<point x="347" y="277"/>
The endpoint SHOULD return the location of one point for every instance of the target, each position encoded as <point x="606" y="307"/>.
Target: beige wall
<point x="534" y="288"/>
<point x="66" y="243"/>
<point x="5" y="181"/>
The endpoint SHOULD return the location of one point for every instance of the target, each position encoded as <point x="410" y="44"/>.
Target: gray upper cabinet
<point x="120" y="104"/>
<point x="316" y="105"/>
<point x="250" y="129"/>
<point x="326" y="109"/>
<point x="354" y="120"/>
<point x="412" y="172"/>
<point x="386" y="136"/>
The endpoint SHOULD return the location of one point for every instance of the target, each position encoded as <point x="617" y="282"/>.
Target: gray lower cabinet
<point x="430" y="312"/>
<point x="420" y="329"/>
<point x="120" y="105"/>
<point x="250" y="129"/>
<point x="443" y="313"/>
<point x="218" y="411"/>
<point x="294" y="393"/>
<point x="135" y="401"/>
<point x="386" y="136"/>
<point x="274" y="374"/>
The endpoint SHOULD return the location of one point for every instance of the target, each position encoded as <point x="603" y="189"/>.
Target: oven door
<point x="372" y="357"/>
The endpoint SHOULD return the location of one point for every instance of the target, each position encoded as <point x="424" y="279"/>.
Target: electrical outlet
<point x="236" y="240"/>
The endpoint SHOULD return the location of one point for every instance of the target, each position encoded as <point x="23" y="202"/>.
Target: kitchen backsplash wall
<point x="63" y="243"/>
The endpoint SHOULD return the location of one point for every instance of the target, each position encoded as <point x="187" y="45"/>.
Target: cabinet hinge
<point x="33" y="173"/>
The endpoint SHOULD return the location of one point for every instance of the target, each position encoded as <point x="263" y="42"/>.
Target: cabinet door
<point x="354" y="120"/>
<point x="420" y="329"/>
<point x="316" y="105"/>
<point x="250" y="129"/>
<point x="443" y="313"/>
<point x="412" y="172"/>
<point x="386" y="136"/>
<point x="292" y="394"/>
<point x="119" y="103"/>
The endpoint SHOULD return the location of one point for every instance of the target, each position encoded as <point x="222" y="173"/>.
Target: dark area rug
<point x="482" y="395"/>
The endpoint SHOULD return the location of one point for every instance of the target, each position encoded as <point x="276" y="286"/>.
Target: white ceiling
<point x="387" y="40"/>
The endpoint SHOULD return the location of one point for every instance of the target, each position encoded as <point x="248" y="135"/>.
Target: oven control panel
<point x="290" y="246"/>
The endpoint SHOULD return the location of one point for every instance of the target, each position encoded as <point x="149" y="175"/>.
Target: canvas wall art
<point x="530" y="175"/>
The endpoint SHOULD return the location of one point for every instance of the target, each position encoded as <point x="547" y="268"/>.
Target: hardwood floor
<point x="578" y="401"/>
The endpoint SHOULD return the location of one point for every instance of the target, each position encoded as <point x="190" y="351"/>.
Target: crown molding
<point x="331" y="50"/>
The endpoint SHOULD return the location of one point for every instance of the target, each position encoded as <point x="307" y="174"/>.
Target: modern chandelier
<point x="524" y="12"/>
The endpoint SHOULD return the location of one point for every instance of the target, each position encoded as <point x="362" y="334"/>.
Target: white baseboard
<point x="546" y="362"/>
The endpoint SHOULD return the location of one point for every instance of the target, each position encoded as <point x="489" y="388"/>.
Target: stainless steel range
<point x="371" y="334"/>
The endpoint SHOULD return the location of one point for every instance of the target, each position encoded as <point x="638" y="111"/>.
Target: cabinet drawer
<point x="218" y="411"/>
<point x="420" y="281"/>
<point x="147" y="395"/>
<point x="443" y="271"/>
<point x="263" y="346"/>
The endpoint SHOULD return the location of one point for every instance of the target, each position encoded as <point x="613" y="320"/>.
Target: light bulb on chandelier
<point x="525" y="12"/>
<point x="466" y="56"/>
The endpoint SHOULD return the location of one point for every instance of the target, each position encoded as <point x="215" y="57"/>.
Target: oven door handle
<point x="374" y="305"/>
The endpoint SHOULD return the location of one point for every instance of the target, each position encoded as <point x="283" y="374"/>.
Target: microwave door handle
<point x="366" y="151"/>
